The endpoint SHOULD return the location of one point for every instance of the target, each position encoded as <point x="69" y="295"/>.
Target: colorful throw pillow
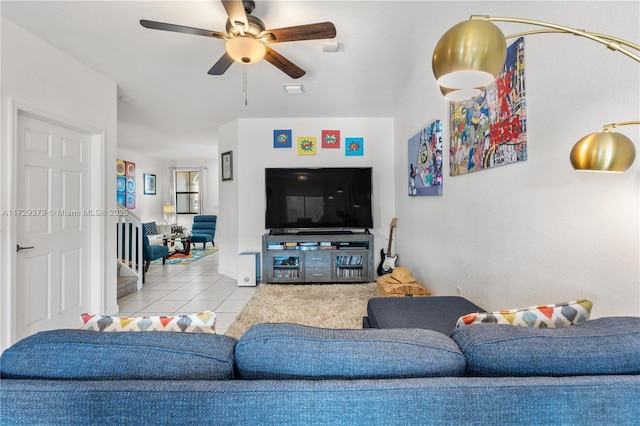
<point x="543" y="316"/>
<point x="150" y="228"/>
<point x="203" y="322"/>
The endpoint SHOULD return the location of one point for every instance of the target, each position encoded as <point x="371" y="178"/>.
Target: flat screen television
<point x="336" y="198"/>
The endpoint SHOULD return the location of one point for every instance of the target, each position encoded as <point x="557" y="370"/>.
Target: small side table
<point x="184" y="239"/>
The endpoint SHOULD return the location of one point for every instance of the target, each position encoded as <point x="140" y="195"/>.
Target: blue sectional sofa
<point x="586" y="374"/>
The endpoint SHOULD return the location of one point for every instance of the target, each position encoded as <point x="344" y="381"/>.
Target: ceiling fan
<point x="247" y="38"/>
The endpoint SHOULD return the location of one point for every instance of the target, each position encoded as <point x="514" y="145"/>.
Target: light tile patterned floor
<point x="187" y="289"/>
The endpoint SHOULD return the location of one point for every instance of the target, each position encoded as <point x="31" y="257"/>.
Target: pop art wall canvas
<point x="307" y="145"/>
<point x="126" y="183"/>
<point x="282" y="139"/>
<point x="354" y="147"/>
<point x="425" y="161"/>
<point x="331" y="139"/>
<point x="489" y="130"/>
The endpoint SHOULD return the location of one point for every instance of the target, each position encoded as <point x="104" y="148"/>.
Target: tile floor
<point x="187" y="289"/>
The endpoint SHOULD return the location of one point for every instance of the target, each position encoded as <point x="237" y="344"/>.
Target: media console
<point x="318" y="258"/>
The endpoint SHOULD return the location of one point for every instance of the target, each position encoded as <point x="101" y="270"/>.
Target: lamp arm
<point x="613" y="43"/>
<point x="622" y="123"/>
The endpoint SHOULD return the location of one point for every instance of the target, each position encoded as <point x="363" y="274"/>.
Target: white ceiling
<point x="174" y="102"/>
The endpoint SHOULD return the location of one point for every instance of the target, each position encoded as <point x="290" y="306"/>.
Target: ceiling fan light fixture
<point x="245" y="49"/>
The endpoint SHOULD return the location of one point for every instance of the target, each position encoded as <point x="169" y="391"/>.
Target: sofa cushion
<point x="609" y="345"/>
<point x="546" y="316"/>
<point x="292" y="351"/>
<point x="156" y="240"/>
<point x="203" y="322"/>
<point x="92" y="355"/>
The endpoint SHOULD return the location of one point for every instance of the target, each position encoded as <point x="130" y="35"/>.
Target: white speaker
<point x="248" y="268"/>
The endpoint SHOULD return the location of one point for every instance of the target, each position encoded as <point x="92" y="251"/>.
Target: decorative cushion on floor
<point x="609" y="345"/>
<point x="91" y="355"/>
<point x="150" y="228"/>
<point x="546" y="316"/>
<point x="293" y="351"/>
<point x="203" y="322"/>
<point x="386" y="288"/>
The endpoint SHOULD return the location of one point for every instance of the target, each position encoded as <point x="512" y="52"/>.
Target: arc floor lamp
<point x="471" y="54"/>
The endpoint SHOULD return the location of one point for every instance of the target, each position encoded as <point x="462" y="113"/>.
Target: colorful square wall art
<point x="331" y="139"/>
<point x="126" y="183"/>
<point x="354" y="146"/>
<point x="425" y="161"/>
<point x="489" y="130"/>
<point x="282" y="139"/>
<point x="307" y="145"/>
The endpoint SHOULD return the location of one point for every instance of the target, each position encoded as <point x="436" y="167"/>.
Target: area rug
<point x="317" y="305"/>
<point x="181" y="259"/>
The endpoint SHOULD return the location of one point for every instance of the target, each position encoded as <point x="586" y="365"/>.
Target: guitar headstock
<point x="394" y="222"/>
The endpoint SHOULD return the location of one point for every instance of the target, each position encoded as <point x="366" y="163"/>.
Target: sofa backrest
<point x="608" y="345"/>
<point x="96" y="355"/>
<point x="293" y="351"/>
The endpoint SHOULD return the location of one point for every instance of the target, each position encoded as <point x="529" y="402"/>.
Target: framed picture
<point x="354" y="147"/>
<point x="149" y="184"/>
<point x="331" y="138"/>
<point x="307" y="145"/>
<point x="227" y="165"/>
<point x="282" y="138"/>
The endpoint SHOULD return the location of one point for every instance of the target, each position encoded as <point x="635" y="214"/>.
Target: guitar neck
<point x="390" y="240"/>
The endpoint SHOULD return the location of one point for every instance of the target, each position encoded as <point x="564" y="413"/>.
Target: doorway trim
<point x="97" y="224"/>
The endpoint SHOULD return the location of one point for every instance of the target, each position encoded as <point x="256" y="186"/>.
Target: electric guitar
<point x="387" y="262"/>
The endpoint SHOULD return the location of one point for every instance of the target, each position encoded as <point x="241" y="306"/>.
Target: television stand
<point x="331" y="257"/>
<point x="324" y="232"/>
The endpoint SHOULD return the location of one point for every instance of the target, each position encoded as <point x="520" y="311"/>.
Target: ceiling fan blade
<point x="302" y="32"/>
<point x="237" y="14"/>
<point x="222" y="65"/>
<point x="181" y="29"/>
<point x="283" y="64"/>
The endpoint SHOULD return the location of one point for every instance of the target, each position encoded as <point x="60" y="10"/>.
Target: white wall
<point x="228" y="221"/>
<point x="253" y="151"/>
<point x="37" y="76"/>
<point x="534" y="232"/>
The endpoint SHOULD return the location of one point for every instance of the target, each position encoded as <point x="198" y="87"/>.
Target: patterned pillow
<point x="543" y="316"/>
<point x="203" y="322"/>
<point x="150" y="228"/>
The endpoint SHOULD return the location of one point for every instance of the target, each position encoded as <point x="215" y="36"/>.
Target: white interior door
<point x="53" y="285"/>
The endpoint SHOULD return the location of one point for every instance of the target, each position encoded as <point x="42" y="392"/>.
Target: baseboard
<point x="229" y="273"/>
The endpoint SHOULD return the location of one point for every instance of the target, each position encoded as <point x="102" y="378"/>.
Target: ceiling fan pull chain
<point x="244" y="82"/>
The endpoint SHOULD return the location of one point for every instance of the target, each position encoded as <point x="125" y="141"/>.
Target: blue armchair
<point x="204" y="229"/>
<point x="153" y="252"/>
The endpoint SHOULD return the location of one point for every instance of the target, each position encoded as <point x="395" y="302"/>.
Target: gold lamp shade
<point x="603" y="151"/>
<point x="245" y="49"/>
<point x="469" y="55"/>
